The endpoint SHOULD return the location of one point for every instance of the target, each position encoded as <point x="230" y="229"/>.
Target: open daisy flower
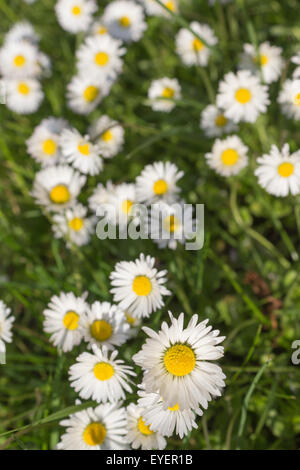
<point x="98" y="28"/>
<point x="19" y="60"/>
<point x="153" y="8"/>
<point x="279" y="171"/>
<point x="100" y="197"/>
<point x="242" y="97"/>
<point x="190" y="48"/>
<point x="138" y="287"/>
<point x="124" y="20"/>
<point x="100" y="428"/>
<point x="108" y="135"/>
<point x="289" y="98"/>
<point x="74" y="225"/>
<point x="163" y="92"/>
<point x="24" y="95"/>
<point x="63" y="318"/>
<point x="269" y="61"/>
<point x="6" y="321"/>
<point x="22" y="31"/>
<point x="133" y="323"/>
<point x="100" y="377"/>
<point x="75" y="15"/>
<point x="120" y="207"/>
<point x="105" y="325"/>
<point x="139" y="433"/>
<point x="214" y="123"/>
<point x="176" y="363"/>
<point x="84" y="93"/>
<point x="228" y="157"/>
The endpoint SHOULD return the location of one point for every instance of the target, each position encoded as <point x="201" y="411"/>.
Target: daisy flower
<point x="100" y="428"/>
<point x="6" y="321"/>
<point x="157" y="182"/>
<point x="133" y="323"/>
<point x="63" y="318"/>
<point x="269" y="61"/>
<point x="22" y="31"/>
<point x="120" y="207"/>
<point x="242" y="96"/>
<point x="108" y="135"/>
<point x="75" y="15"/>
<point x="98" y="28"/>
<point x="289" y="98"/>
<point x="138" y="287"/>
<point x="139" y="434"/>
<point x="84" y="93"/>
<point x="57" y="187"/>
<point x="124" y="20"/>
<point x="74" y="225"/>
<point x="176" y="363"/>
<point x="228" y="157"/>
<point x="214" y="123"/>
<point x="18" y="60"/>
<point x="100" y="377"/>
<point x="80" y="152"/>
<point x="101" y="197"/>
<point x="163" y="92"/>
<point x="153" y="8"/>
<point x="279" y="171"/>
<point x="190" y="48"/>
<point x="23" y="96"/>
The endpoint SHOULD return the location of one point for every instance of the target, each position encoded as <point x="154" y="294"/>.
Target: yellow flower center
<point x="19" y="61"/>
<point x="174" y="408"/>
<point x="107" y="136"/>
<point x="84" y="149"/>
<point x="143" y="428"/>
<point x="101" y="330"/>
<point x="286" y="169"/>
<point x="171" y="223"/>
<point x="71" y="320"/>
<point x="60" y="194"/>
<point x="94" y="434"/>
<point x="297" y="99"/>
<point x="23" y="88"/>
<point x="130" y="319"/>
<point x="102" y="30"/>
<point x="168" y="92"/>
<point x="91" y="93"/>
<point x="221" y="120"/>
<point x="103" y="371"/>
<point x="76" y="224"/>
<point x="170" y="5"/>
<point x="76" y="10"/>
<point x="243" y="95"/>
<point x="229" y="157"/>
<point x="141" y="286"/>
<point x="124" y="22"/>
<point x="262" y="58"/>
<point x="101" y="58"/>
<point x="49" y="147"/>
<point x="197" y="44"/>
<point x="126" y="206"/>
<point x="160" y="187"/>
<point x="180" y="360"/>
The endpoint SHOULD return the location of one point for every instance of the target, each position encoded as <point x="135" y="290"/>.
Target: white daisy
<point x="63" y="318"/>
<point x="98" y="28"/>
<point x="124" y="20"/>
<point x="100" y="428"/>
<point x="100" y="377"/>
<point x="84" y="93"/>
<point x="108" y="135"/>
<point x="6" y="321"/>
<point x="139" y="434"/>
<point x="289" y="98"/>
<point x="120" y="206"/>
<point x="176" y="363"/>
<point x="101" y="197"/>
<point x="134" y="324"/>
<point x="279" y="171"/>
<point x="74" y="225"/>
<point x="19" y="60"/>
<point x="270" y="61"/>
<point x="214" y="123"/>
<point x="163" y="92"/>
<point x="242" y="97"/>
<point x="138" y="287"/>
<point x="23" y="96"/>
<point x="57" y="187"/>
<point x="228" y="156"/>
<point x="22" y="31"/>
<point x="190" y="48"/>
<point x="153" y="8"/>
<point x="75" y="15"/>
<point x="105" y="325"/>
<point x="80" y="152"/>
<point x="157" y="182"/>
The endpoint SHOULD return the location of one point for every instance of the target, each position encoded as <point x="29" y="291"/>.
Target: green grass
<point x="246" y="230"/>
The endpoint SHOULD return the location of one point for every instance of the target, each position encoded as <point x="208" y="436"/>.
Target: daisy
<point x="75" y="15"/>
<point x="100" y="428"/>
<point x="163" y="92"/>
<point x="228" y="157"/>
<point x="214" y="123"/>
<point x="22" y="31"/>
<point x="98" y="28"/>
<point x="279" y="171"/>
<point x="139" y="433"/>
<point x="100" y="377"/>
<point x="120" y="207"/>
<point x="190" y="48"/>
<point x="153" y="8"/>
<point x="74" y="225"/>
<point x="157" y="182"/>
<point x="138" y="287"/>
<point x="84" y="93"/>
<point x="108" y="135"/>
<point x="23" y="96"/>
<point x="101" y="197"/>
<point x="57" y="187"/>
<point x="289" y="98"/>
<point x="242" y="97"/>
<point x="6" y="321"/>
<point x="18" y="60"/>
<point x="80" y="152"/>
<point x="63" y="318"/>
<point x="133" y="323"/>
<point x="269" y="61"/>
<point x="124" y="20"/>
<point x="176" y="363"/>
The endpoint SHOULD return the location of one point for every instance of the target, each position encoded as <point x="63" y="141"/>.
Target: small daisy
<point x="18" y="60"/>
<point x="163" y="92"/>
<point x="84" y="93"/>
<point x="242" y="96"/>
<point x="279" y="171"/>
<point x="124" y="20"/>
<point x="289" y="98"/>
<point x="296" y="60"/>
<point x="100" y="428"/>
<point x="190" y="48"/>
<point x="153" y="8"/>
<point x="6" y="321"/>
<point x="139" y="433"/>
<point x="57" y="187"/>
<point x="176" y="363"/>
<point x="120" y="208"/>
<point x="23" y="96"/>
<point x="22" y="31"/>
<point x="63" y="319"/>
<point x="214" y="123"/>
<point x="270" y="61"/>
<point x="74" y="225"/>
<point x="228" y="157"/>
<point x="108" y="135"/>
<point x="100" y="377"/>
<point x="138" y="287"/>
<point x="75" y="15"/>
<point x="134" y="324"/>
<point x="80" y="152"/>
<point x="98" y="28"/>
<point x="101" y="197"/>
<point x="157" y="182"/>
